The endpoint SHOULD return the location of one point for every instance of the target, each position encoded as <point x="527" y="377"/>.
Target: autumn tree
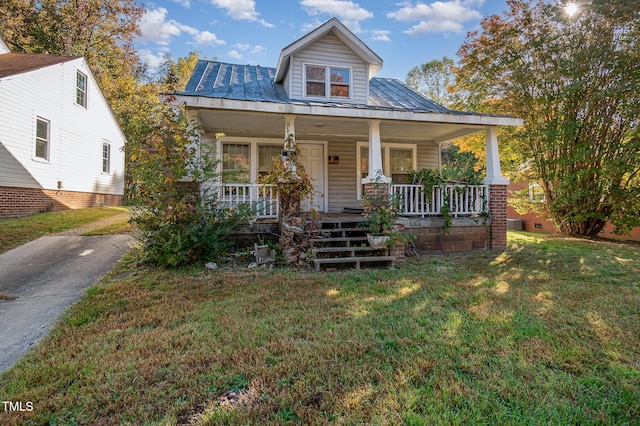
<point x="576" y="82"/>
<point x="102" y="31"/>
<point x="436" y="80"/>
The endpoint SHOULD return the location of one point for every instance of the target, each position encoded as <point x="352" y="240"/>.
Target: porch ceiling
<point x="271" y="125"/>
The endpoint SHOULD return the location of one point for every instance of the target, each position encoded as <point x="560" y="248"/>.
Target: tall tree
<point x="436" y="80"/>
<point x="102" y="31"/>
<point x="576" y="82"/>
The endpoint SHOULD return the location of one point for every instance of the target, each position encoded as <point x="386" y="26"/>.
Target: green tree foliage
<point x="575" y="81"/>
<point x="436" y="80"/>
<point x="460" y="166"/>
<point x="178" y="221"/>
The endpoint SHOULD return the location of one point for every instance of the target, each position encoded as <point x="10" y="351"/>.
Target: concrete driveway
<point x="46" y="276"/>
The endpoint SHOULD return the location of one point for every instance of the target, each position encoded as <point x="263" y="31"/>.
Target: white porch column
<point x="376" y="173"/>
<point x="494" y="175"/>
<point x="289" y="132"/>
<point x="289" y="143"/>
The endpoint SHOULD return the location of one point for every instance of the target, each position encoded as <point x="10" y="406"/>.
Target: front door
<point x="312" y="159"/>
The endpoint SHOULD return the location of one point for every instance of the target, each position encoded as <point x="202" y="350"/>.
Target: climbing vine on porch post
<point x="294" y="186"/>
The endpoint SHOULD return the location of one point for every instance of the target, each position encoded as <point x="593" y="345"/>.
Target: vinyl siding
<point x="329" y="50"/>
<point x="342" y="189"/>
<point x="428" y="157"/>
<point x="76" y="133"/>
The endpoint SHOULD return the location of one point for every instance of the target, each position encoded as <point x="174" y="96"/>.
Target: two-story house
<point x="60" y="145"/>
<point x="348" y="126"/>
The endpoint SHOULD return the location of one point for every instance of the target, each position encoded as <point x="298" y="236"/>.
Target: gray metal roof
<point x="255" y="83"/>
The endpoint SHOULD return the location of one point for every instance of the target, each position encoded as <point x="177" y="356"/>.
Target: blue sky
<point x="404" y="33"/>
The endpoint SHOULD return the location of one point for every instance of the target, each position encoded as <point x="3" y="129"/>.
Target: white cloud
<point x="379" y="35"/>
<point x="156" y="28"/>
<point x="348" y="12"/>
<point x="185" y="3"/>
<point x="241" y="10"/>
<point x="438" y="16"/>
<point x="152" y="60"/>
<point x="247" y="47"/>
<point x="205" y="38"/>
<point x="234" y="54"/>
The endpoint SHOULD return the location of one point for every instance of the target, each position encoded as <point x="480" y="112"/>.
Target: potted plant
<point x="381" y="211"/>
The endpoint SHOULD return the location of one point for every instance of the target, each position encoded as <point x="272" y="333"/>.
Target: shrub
<point x="178" y="223"/>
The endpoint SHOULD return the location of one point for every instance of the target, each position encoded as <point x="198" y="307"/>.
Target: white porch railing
<point x="462" y="200"/>
<point x="263" y="198"/>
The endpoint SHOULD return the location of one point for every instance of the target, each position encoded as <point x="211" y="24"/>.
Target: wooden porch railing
<point x="462" y="200"/>
<point x="263" y="198"/>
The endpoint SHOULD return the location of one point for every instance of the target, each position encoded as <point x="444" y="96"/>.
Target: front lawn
<point x="544" y="333"/>
<point x="17" y="231"/>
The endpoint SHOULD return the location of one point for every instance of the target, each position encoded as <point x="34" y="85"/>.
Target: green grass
<point x="15" y="232"/>
<point x="544" y="333"/>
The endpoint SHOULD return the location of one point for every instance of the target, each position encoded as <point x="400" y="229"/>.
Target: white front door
<point x="312" y="159"/>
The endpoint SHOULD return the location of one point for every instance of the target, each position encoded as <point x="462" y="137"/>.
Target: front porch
<point x="452" y="200"/>
<point x="452" y="217"/>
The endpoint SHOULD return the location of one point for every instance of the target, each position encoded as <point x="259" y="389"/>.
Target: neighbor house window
<point x="327" y="82"/>
<point x="42" y="139"/>
<point x="106" y="157"/>
<point x="536" y="193"/>
<point x="236" y="160"/>
<point x="81" y="89"/>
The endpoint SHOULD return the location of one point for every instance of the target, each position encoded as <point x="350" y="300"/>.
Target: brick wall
<point x="464" y="234"/>
<point x="498" y="214"/>
<point x="25" y="201"/>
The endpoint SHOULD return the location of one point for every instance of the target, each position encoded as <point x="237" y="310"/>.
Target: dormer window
<point x="327" y="82"/>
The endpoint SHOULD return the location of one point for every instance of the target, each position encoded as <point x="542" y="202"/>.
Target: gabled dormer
<point x="328" y="64"/>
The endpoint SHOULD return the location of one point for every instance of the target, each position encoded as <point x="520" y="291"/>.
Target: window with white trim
<point x="81" y="89"/>
<point x="42" y="139"/>
<point x="106" y="157"/>
<point x="327" y="82"/>
<point x="266" y="155"/>
<point x="236" y="162"/>
<point x="397" y="160"/>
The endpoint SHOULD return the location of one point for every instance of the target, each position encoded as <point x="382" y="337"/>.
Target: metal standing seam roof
<point x="255" y="83"/>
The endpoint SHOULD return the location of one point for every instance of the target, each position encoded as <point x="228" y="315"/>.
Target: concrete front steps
<point x="342" y="242"/>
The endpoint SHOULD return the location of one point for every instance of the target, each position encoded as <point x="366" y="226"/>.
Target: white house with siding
<point x="348" y="126"/>
<point x="60" y="145"/>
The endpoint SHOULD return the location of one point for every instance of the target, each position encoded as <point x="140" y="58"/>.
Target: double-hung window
<point x="106" y="157"/>
<point x="327" y="82"/>
<point x="266" y="156"/>
<point x="81" y="89"/>
<point x="397" y="160"/>
<point x="42" y="139"/>
<point x="236" y="162"/>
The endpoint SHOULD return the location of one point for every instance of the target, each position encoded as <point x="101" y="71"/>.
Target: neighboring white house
<point x="60" y="145"/>
<point x="348" y="125"/>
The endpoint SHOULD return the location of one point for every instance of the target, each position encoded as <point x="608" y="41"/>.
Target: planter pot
<point x="378" y="241"/>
